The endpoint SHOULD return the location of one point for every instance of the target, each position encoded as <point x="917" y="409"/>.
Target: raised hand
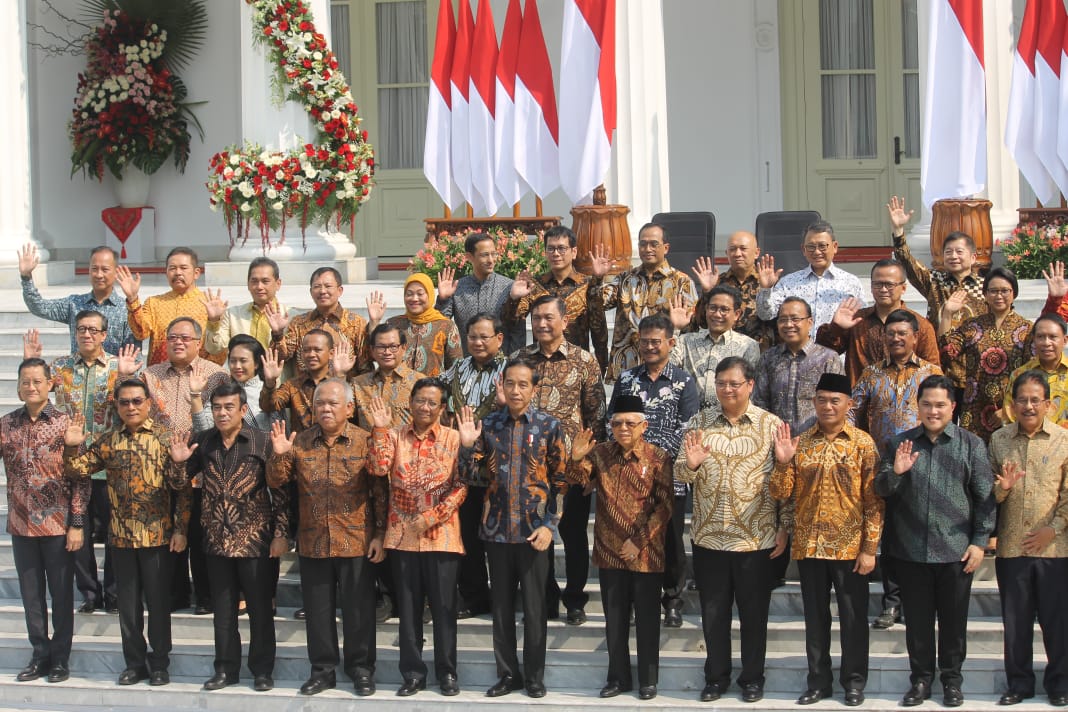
<point x="446" y="283"/>
<point x="181" y="450"/>
<point x="767" y="275"/>
<point x="272" y="367"/>
<point x="343" y="359"/>
<point x="522" y="285"/>
<point x="279" y="442"/>
<point x="696" y="450"/>
<point x="469" y="431"/>
<point x="582" y="444"/>
<point x="376" y="307"/>
<point x="1011" y="473"/>
<point x="600" y="260"/>
<point x="214" y="304"/>
<point x="276" y="318"/>
<point x="680" y="312"/>
<point x="197" y="382"/>
<point x="845" y="316"/>
<point x="955" y="303"/>
<point x="75" y="435"/>
<point x="128" y="358"/>
<point x="380" y="413"/>
<point x="498" y="385"/>
<point x="1055" y="281"/>
<point x="785" y="446"/>
<point x="28" y="259"/>
<point x="128" y="281"/>
<point x="31" y="344"/>
<point x="898" y="217"/>
<point x="904" y="458"/>
<point x="706" y="273"/>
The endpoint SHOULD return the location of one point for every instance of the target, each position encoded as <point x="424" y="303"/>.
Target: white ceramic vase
<point x="132" y="190"/>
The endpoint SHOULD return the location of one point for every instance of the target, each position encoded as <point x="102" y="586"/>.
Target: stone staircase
<point x="577" y="660"/>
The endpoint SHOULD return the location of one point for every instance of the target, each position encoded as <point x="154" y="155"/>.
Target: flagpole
<point x="537" y="206"/>
<point x="470" y="211"/>
<point x="448" y="211"/>
<point x="515" y="210"/>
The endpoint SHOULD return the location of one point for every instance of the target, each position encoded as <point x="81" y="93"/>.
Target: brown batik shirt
<point x="340" y="322"/>
<point x="569" y="389"/>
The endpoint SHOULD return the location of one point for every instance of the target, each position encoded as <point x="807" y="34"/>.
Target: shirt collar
<point x="914" y="360"/>
<point x="746" y="417"/>
<point x="724" y="338"/>
<point x="100" y="360"/>
<point x="400" y="373"/>
<point x="491" y="365"/>
<point x="669" y="372"/>
<point x="46" y="414"/>
<point x="576" y="278"/>
<point x="832" y="272"/>
<point x="728" y="274"/>
<point x="109" y="299"/>
<point x="432" y="434"/>
<point x="637" y="454"/>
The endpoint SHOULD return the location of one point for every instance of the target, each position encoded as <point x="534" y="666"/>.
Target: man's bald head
<point x="742" y="251"/>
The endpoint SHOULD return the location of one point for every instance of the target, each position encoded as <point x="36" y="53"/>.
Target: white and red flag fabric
<point x="587" y="94"/>
<point x="537" y="152"/>
<point x="1062" y="135"/>
<point x="437" y="149"/>
<point x="953" y="155"/>
<point x="1051" y="23"/>
<point x="460" y="79"/>
<point x="510" y="186"/>
<point x="1020" y="121"/>
<point x="481" y="106"/>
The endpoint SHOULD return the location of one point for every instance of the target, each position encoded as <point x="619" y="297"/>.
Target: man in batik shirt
<point x="742" y="252"/>
<point x="392" y="381"/>
<point x="1050" y="338"/>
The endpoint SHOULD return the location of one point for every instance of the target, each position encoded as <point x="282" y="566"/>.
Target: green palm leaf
<point x="186" y="23"/>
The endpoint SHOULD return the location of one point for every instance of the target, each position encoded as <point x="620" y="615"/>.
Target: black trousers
<point x="144" y="573"/>
<point x="851" y="592"/>
<point x="229" y="577"/>
<point x="473" y="581"/>
<point x="726" y="578"/>
<point x="674" y="577"/>
<point x="430" y="575"/>
<point x="621" y="591"/>
<point x="927" y="591"/>
<point x="86" y="575"/>
<point x="192" y="559"/>
<point x="515" y="566"/>
<point x="41" y="561"/>
<point x="576" y="538"/>
<point x="891" y="588"/>
<point x="1031" y="586"/>
<point x="348" y="582"/>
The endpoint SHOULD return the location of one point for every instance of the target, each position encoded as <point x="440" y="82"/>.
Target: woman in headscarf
<point x="433" y="342"/>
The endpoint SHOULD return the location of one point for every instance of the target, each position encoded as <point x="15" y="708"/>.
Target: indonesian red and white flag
<point x="587" y="94"/>
<point x="509" y="184"/>
<point x="1062" y="136"/>
<point x="460" y="77"/>
<point x="1020" y="121"/>
<point x="1052" y="21"/>
<point x="437" y="150"/>
<point x="481" y="105"/>
<point x="537" y="152"/>
<point x="953" y="155"/>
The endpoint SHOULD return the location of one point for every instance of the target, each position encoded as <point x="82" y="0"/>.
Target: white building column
<point x="638" y="176"/>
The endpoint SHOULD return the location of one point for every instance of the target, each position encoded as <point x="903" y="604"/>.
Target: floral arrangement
<point x="130" y="107"/>
<point x="320" y="182"/>
<point x="516" y="252"/>
<point x="1032" y="247"/>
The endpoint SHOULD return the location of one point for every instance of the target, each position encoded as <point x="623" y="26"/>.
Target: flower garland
<point x="316" y="183"/>
<point x="516" y="252"/>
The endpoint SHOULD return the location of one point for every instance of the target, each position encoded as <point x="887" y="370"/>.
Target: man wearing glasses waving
<point x="822" y="284"/>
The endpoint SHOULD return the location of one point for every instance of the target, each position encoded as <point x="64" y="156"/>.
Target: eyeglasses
<point x="1024" y="402"/>
<point x="817" y="247"/>
<point x="884" y="286"/>
<point x="999" y="292"/>
<point x="135" y="402"/>
<point x="654" y="343"/>
<point x="183" y="338"/>
<point x="388" y="347"/>
<point x="715" y="309"/>
<point x="791" y="320"/>
<point x="730" y="385"/>
<point x="89" y="330"/>
<point x="427" y="402"/>
<point x="648" y="244"/>
<point x="628" y="424"/>
<point x="556" y="249"/>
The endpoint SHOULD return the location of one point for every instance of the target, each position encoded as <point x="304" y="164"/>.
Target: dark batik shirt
<point x="295" y="394"/>
<point x="786" y="382"/>
<point x="944" y="503"/>
<point x="340" y="323"/>
<point x="474" y="384"/>
<point x="569" y="389"/>
<point x="938" y="285"/>
<point x="240" y="514"/>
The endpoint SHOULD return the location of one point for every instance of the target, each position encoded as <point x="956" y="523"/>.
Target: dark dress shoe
<point x="1059" y="699"/>
<point x="552" y="614"/>
<point x="159" y="678"/>
<point x="317" y="684"/>
<point x="1011" y="698"/>
<point x="364" y="685"/>
<point x="450" y="687"/>
<point x="711" y="693"/>
<point x="463" y="613"/>
<point x="111" y="605"/>
<point x="132" y="676"/>
<point x="505" y="685"/>
<point x="576" y="616"/>
<point x="202" y="609"/>
<point x="87" y="607"/>
<point x="263" y="683"/>
<point x="672" y="618"/>
<point x="854" y="698"/>
<point x="752" y="692"/>
<point x="410" y="687"/>
<point x="919" y="692"/>
<point x="298" y="615"/>
<point x="383" y="610"/>
<point x="59" y="673"/>
<point x="218" y="681"/>
<point x="811" y="697"/>
<point x="612" y="689"/>
<point x="36" y="669"/>
<point x="887" y="618"/>
<point x="646" y="692"/>
<point x="535" y="690"/>
<point x="952" y="696"/>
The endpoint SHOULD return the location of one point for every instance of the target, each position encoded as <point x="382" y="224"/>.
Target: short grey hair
<point x="345" y="387"/>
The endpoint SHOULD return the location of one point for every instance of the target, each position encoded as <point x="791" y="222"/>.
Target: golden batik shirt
<point x="424" y="485"/>
<point x="733" y="509"/>
<point x="1058" y="390"/>
<point x="938" y="285"/>
<point x="340" y="323"/>
<point x="395" y="390"/>
<point x="149" y="320"/>
<point x="829" y="481"/>
<point x="429" y="348"/>
<point x="885" y="398"/>
<point x="297" y="395"/>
